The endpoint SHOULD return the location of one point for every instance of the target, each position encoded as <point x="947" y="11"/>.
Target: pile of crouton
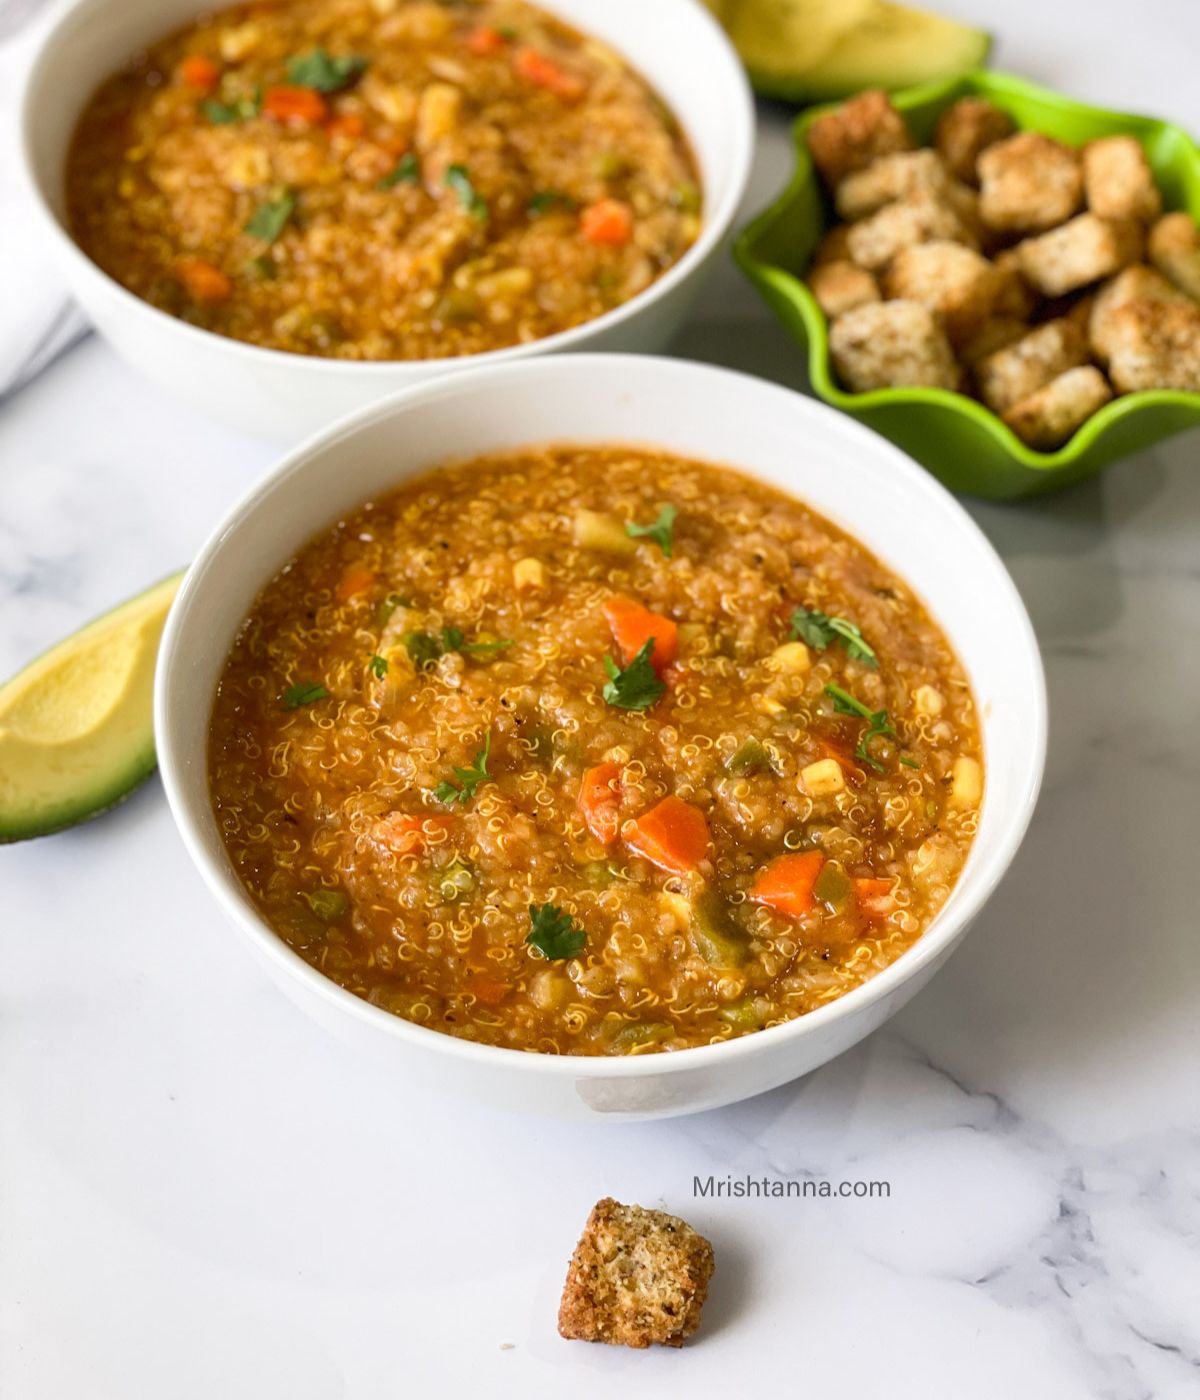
<point x="1002" y="263"/>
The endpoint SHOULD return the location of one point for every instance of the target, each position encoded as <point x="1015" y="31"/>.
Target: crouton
<point x="1028" y="182"/>
<point x="637" y="1276"/>
<point x="1016" y="297"/>
<point x="1136" y="283"/>
<point x="1021" y="369"/>
<point x="956" y="283"/>
<point x="832" y="247"/>
<point x="1154" y="345"/>
<point x="991" y="335"/>
<point x="1117" y="180"/>
<point x="1048" y="417"/>
<point x="841" y="286"/>
<point x="874" y="242"/>
<point x="856" y="133"/>
<point x="890" y="177"/>
<point x="891" y="343"/>
<point x="965" y="129"/>
<point x="1175" y="251"/>
<point x="1081" y="251"/>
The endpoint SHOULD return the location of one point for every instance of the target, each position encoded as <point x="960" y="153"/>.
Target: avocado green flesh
<point x="76" y="725"/>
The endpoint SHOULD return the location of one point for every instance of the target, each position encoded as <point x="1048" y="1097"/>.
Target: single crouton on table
<point x="1022" y="368"/>
<point x="965" y="130"/>
<point x="1118" y="181"/>
<point x="841" y="286"/>
<point x="856" y="133"/>
<point x="1153" y="345"/>
<point x="1048" y="417"/>
<point x="1083" y="250"/>
<point x="1028" y="182"/>
<point x="1175" y="251"/>
<point x="889" y="344"/>
<point x="954" y="281"/>
<point x="636" y="1277"/>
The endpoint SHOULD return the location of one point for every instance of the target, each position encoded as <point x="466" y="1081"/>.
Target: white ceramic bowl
<point x="857" y="479"/>
<point x="676" y="44"/>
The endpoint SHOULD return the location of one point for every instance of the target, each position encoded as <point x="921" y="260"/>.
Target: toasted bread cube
<point x="874" y="242"/>
<point x="1135" y="283"/>
<point x="1028" y="182"/>
<point x="965" y="129"/>
<point x="1175" y="251"/>
<point x="1153" y="345"/>
<point x="1081" y="251"/>
<point x="1016" y="298"/>
<point x="832" y="247"/>
<point x="841" y="286"/>
<point x="891" y="177"/>
<point x="955" y="282"/>
<point x="1118" y="181"/>
<point x="891" y="343"/>
<point x="856" y="133"/>
<point x="1017" y="371"/>
<point x="1048" y="417"/>
<point x="991" y="335"/>
<point x="636" y="1277"/>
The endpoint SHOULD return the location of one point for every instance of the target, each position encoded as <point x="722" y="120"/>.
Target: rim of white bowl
<point x="957" y="912"/>
<point x="736" y="93"/>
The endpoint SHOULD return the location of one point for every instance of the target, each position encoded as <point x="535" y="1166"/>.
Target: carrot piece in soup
<point x="485" y="40"/>
<point x="674" y="836"/>
<point x="486" y="988"/>
<point x="408" y="834"/>
<point x="854" y="774"/>
<point x="608" y="222"/>
<point x="634" y="625"/>
<point x="350" y="124"/>
<point x="357" y="579"/>
<point x="200" y="72"/>
<point x="535" y="67"/>
<point x="600" y="801"/>
<point x="291" y="103"/>
<point x="875" y="898"/>
<point x="203" y="281"/>
<point x="786" y="884"/>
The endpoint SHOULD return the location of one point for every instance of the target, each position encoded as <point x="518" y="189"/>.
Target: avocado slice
<point x="76" y="725"/>
<point x="818" y="50"/>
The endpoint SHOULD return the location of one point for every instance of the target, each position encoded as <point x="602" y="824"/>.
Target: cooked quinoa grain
<point x="593" y="750"/>
<point x="375" y="181"/>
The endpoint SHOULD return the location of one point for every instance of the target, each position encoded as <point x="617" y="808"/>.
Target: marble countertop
<point x="203" y="1195"/>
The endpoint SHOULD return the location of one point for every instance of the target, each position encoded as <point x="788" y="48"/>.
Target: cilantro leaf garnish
<point x="458" y="178"/>
<point x="269" y="220"/>
<point x="384" y="610"/>
<point x="242" y="109"/>
<point x="910" y="762"/>
<point x="406" y="171"/>
<point x="422" y="647"/>
<point x="425" y="648"/>
<point x="878" y="723"/>
<point x="545" y="200"/>
<point x="378" y="666"/>
<point x="324" y="72"/>
<point x="637" y="686"/>
<point x="662" y="531"/>
<point x="468" y="778"/>
<point x="554" y="933"/>
<point x="303" y="693"/>
<point x="820" y="630"/>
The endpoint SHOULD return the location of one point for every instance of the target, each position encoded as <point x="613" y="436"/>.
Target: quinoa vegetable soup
<point x="382" y="179"/>
<point x="593" y="750"/>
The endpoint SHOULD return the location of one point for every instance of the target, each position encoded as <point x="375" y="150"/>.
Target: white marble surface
<point x="201" y="1195"/>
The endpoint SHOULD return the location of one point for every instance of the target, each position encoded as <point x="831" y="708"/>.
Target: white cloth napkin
<point x="38" y="321"/>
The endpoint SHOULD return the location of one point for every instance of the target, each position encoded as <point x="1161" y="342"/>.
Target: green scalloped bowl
<point x="961" y="442"/>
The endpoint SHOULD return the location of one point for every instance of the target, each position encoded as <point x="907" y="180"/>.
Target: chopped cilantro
<point x="240" y="110"/>
<point x="324" y="72"/>
<point x="637" y="686"/>
<point x="303" y="693"/>
<point x="820" y="630"/>
<point x="261" y="268"/>
<point x="878" y="723"/>
<point x="269" y="220"/>
<point x="378" y="666"/>
<point x="384" y="610"/>
<point x="468" y="778"/>
<point x="406" y="171"/>
<point x="554" y="933"/>
<point x="661" y="531"/>
<point x="422" y="648"/>
<point x="425" y="648"/>
<point x="458" y="178"/>
<point x="545" y="200"/>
